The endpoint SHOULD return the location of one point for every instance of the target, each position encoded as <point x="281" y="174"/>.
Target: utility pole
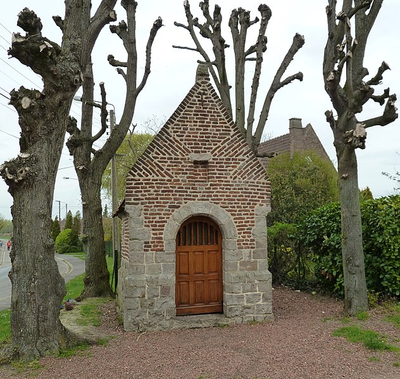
<point x="59" y="210"/>
<point x="114" y="200"/>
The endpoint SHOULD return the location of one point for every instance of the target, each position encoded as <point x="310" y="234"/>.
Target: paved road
<point x="69" y="267"/>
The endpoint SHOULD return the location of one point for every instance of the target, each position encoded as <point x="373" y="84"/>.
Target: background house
<point x="194" y="238"/>
<point x="298" y="139"/>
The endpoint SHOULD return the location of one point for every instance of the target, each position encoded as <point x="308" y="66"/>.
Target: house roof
<point x="298" y="139"/>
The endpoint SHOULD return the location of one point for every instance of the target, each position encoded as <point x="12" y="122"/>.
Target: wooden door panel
<point x="213" y="290"/>
<point x="183" y="263"/>
<point x="198" y="267"/>
<point x="213" y="262"/>
<point x="198" y="262"/>
<point x="183" y="291"/>
<point x="199" y="292"/>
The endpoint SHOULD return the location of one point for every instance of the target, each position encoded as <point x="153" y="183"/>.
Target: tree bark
<point x="355" y="286"/>
<point x="97" y="278"/>
<point x="37" y="286"/>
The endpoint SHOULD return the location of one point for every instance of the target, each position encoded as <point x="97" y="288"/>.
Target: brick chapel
<point x="194" y="234"/>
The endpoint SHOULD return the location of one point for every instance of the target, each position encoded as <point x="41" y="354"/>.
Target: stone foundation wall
<point x="147" y="290"/>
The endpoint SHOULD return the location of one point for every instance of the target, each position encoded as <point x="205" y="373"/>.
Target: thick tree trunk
<point x="97" y="277"/>
<point x="37" y="286"/>
<point x="355" y="286"/>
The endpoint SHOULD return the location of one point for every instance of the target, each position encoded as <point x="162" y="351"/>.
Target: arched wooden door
<point x="198" y="267"/>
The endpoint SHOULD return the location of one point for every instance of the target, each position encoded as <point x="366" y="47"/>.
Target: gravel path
<point x="297" y="345"/>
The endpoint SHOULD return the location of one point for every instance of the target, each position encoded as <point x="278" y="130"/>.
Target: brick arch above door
<point x="201" y="208"/>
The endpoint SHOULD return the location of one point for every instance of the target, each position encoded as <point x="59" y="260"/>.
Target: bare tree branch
<point x="185" y="48"/>
<point x="277" y="83"/>
<point x="156" y="26"/>
<point x="381" y="98"/>
<point x="113" y="62"/>
<point x="330" y="119"/>
<point x="389" y="114"/>
<point x="220" y="76"/>
<point x="105" y="13"/>
<point x="239" y="19"/>
<point x="377" y="79"/>
<point x="259" y="48"/>
<point x="103" y="113"/>
<point x="127" y="33"/>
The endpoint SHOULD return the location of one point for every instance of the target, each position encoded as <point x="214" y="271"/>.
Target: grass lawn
<point x="373" y="339"/>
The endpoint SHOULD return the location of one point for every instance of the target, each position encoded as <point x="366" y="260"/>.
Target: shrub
<point x="66" y="243"/>
<point x="321" y="233"/>
<point x="381" y="239"/>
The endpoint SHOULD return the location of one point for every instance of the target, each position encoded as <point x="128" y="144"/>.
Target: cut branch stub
<point x="356" y="137"/>
<point x="18" y="170"/>
<point x="59" y="22"/>
<point x="379" y="75"/>
<point x="121" y="30"/>
<point x="125" y="4"/>
<point x="113" y="62"/>
<point x="29" y="22"/>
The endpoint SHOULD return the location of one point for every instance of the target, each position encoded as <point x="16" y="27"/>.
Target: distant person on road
<point x="8" y="245"/>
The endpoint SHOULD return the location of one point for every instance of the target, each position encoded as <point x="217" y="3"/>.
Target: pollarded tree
<point x="239" y="24"/>
<point x="349" y="90"/>
<point x="37" y="286"/>
<point x="89" y="161"/>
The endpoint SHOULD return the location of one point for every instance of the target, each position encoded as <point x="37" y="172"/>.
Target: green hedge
<point x="321" y="233"/>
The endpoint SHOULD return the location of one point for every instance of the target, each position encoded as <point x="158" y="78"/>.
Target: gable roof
<point x="298" y="139"/>
<point x="200" y="126"/>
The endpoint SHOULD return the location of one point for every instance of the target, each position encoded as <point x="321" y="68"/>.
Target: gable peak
<point x="202" y="73"/>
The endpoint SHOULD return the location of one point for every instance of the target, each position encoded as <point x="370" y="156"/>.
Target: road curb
<point x="69" y="266"/>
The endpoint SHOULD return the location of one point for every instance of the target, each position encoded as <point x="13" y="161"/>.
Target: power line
<point x="5" y="28"/>
<point x="9" y="77"/>
<point x="19" y="72"/>
<point x="11" y="109"/>
<point x="11" y="135"/>
<point x="3" y="89"/>
<point x="4" y="96"/>
<point x="4" y="39"/>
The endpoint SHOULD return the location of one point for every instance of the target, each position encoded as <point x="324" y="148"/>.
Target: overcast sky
<point x="173" y="73"/>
